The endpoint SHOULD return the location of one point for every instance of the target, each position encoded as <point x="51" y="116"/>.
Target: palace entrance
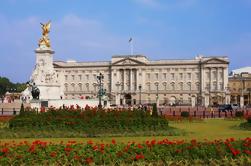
<point x="128" y="99"/>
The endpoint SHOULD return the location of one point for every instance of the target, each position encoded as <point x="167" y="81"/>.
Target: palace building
<point x="136" y="79"/>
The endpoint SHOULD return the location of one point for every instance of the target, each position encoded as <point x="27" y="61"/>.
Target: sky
<point x="95" y="30"/>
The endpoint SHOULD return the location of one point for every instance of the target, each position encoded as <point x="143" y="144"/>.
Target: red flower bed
<point x="40" y="152"/>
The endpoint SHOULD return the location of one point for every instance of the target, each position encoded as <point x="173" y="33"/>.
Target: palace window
<point x="72" y="87"/>
<point x="87" y="76"/>
<point x="220" y="86"/>
<point x="165" y="85"/>
<point x="214" y="86"/>
<point x="172" y="76"/>
<point x="197" y="76"/>
<point x="156" y="76"/>
<point x="148" y="75"/>
<point x="148" y="85"/>
<point x="164" y="75"/>
<point x="66" y="87"/>
<point x="172" y="86"/>
<point x="181" y="76"/>
<point x="189" y="87"/>
<point x="66" y="77"/>
<point x="87" y="87"/>
<point x="197" y="86"/>
<point x="80" y="77"/>
<point x="80" y="87"/>
<point x="72" y="77"/>
<point x="208" y="86"/>
<point x="189" y="76"/>
<point x="181" y="85"/>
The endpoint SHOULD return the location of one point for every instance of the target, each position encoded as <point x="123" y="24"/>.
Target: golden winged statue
<point x="45" y="41"/>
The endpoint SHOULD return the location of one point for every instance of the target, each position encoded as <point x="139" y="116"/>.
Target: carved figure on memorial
<point x="35" y="91"/>
<point x="45" y="41"/>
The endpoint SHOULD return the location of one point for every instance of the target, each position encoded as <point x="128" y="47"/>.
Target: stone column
<point x="193" y="101"/>
<point x="124" y="79"/>
<point x="210" y="86"/>
<point x="217" y="79"/>
<point x="241" y="101"/>
<point x="131" y="80"/>
<point x="135" y="77"/>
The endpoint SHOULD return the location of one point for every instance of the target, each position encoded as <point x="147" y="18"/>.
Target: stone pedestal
<point x="44" y="76"/>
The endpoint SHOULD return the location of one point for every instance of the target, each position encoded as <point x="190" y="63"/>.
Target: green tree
<point x="5" y="85"/>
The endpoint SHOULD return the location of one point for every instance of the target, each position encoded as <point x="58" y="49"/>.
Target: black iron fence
<point x="9" y="111"/>
<point x="202" y="112"/>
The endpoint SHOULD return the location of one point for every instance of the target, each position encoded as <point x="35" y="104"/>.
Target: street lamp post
<point x="140" y="94"/>
<point x="101" y="91"/>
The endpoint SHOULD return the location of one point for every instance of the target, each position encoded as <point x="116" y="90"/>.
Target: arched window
<point x="181" y="85"/>
<point x="66" y="87"/>
<point x="72" y="87"/>
<point x="189" y="87"/>
<point x="87" y="87"/>
<point x="80" y="87"/>
<point x="172" y="86"/>
<point x="197" y="85"/>
<point x="165" y="86"/>
<point x="148" y="85"/>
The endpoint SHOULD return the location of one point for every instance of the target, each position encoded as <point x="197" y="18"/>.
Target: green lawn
<point x="212" y="129"/>
<point x="208" y="129"/>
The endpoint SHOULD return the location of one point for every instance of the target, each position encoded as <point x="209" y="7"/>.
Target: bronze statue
<point x="45" y="38"/>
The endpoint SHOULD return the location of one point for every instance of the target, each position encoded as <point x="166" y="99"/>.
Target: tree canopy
<point x="7" y="85"/>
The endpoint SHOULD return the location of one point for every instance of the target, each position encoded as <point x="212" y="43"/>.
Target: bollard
<point x="225" y="114"/>
<point x="173" y="113"/>
<point x="14" y="111"/>
<point x="194" y="113"/>
<point x="2" y="111"/>
<point x="204" y="114"/>
<point x="212" y="115"/>
<point x="219" y="114"/>
<point x="231" y="113"/>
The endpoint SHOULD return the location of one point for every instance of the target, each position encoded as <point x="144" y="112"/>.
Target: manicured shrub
<point x="184" y="114"/>
<point x="91" y="121"/>
<point x="249" y="119"/>
<point x="239" y="114"/>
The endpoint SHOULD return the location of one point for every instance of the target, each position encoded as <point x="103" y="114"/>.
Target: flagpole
<point x="131" y="47"/>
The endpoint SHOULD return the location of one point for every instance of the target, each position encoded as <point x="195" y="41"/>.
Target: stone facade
<point x="136" y="79"/>
<point x="240" y="88"/>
